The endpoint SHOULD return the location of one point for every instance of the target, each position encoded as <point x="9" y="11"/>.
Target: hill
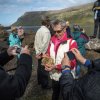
<point x="82" y="15"/>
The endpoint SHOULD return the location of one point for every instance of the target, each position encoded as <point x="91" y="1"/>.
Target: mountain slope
<point x="82" y="15"/>
<point x="73" y="14"/>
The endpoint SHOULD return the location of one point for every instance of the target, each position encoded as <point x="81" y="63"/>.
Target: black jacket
<point x="95" y="8"/>
<point x="86" y="88"/>
<point x="13" y="86"/>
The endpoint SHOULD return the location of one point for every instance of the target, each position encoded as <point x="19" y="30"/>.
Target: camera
<point x="18" y="50"/>
<point x="70" y="55"/>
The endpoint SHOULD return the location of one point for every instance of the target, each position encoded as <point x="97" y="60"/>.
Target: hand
<point x="78" y="55"/>
<point x="65" y="60"/>
<point x="25" y="50"/>
<point x="49" y="67"/>
<point x="38" y="56"/>
<point x="11" y="51"/>
<point x="45" y="55"/>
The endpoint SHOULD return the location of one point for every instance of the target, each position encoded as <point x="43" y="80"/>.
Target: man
<point x="96" y="9"/>
<point x="13" y="86"/>
<point x="85" y="88"/>
<point x="59" y="44"/>
<point x="68" y="29"/>
<point x="42" y="39"/>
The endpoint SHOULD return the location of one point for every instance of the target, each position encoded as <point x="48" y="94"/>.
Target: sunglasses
<point x="58" y="31"/>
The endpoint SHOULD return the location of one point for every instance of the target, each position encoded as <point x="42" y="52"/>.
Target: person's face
<point x="20" y="32"/>
<point x="58" y="30"/>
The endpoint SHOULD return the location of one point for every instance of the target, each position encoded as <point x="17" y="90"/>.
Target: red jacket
<point x="56" y="44"/>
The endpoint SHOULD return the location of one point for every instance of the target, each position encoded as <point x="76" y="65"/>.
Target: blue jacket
<point x="14" y="40"/>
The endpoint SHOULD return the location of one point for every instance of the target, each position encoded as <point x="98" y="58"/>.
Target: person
<point x="51" y="28"/>
<point x="85" y="88"/>
<point x="96" y="10"/>
<point x="59" y="44"/>
<point x="14" y="39"/>
<point x="13" y="86"/>
<point x="21" y="33"/>
<point x="41" y="43"/>
<point x="80" y="37"/>
<point x="68" y="30"/>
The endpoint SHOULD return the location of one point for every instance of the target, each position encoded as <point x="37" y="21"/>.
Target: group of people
<point x="55" y="47"/>
<point x="53" y="39"/>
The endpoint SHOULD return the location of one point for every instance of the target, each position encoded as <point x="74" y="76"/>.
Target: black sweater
<point x="86" y="88"/>
<point x="13" y="86"/>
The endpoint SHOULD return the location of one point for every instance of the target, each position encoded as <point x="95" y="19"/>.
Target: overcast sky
<point x="11" y="10"/>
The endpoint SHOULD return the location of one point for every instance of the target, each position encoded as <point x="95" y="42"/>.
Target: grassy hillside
<point x="82" y="15"/>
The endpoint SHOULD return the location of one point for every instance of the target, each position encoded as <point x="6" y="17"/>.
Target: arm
<point x="70" y="89"/>
<point x="14" y="85"/>
<point x="23" y="74"/>
<point x="66" y="83"/>
<point x="66" y="80"/>
<point x="4" y="58"/>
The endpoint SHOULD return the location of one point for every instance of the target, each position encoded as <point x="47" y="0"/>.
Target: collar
<point x="63" y="39"/>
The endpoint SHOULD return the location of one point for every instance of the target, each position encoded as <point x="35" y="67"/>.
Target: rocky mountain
<point x="79" y="14"/>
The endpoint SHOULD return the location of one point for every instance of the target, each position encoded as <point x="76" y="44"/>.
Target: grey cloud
<point x="6" y="2"/>
<point x="8" y="6"/>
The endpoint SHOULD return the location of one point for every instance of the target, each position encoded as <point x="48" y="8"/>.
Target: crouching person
<point x="13" y="86"/>
<point x="85" y="88"/>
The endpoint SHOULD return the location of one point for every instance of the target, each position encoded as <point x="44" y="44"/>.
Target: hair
<point x="13" y="29"/>
<point x="76" y="27"/>
<point x="61" y="22"/>
<point x="45" y="21"/>
<point x="67" y="23"/>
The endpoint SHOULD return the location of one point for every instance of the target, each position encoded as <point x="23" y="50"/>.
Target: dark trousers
<point x="97" y="27"/>
<point x="56" y="90"/>
<point x="42" y="75"/>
